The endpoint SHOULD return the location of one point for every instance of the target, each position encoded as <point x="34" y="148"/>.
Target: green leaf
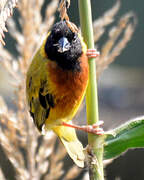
<point x="129" y="135"/>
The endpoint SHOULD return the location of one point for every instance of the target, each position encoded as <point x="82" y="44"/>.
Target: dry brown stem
<point x="113" y="46"/>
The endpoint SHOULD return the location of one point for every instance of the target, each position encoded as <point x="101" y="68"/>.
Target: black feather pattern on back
<point x="47" y="100"/>
<point x="42" y="104"/>
<point x="42" y="100"/>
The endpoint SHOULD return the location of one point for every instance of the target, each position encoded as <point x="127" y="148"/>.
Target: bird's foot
<point x="93" y="129"/>
<point x="92" y="53"/>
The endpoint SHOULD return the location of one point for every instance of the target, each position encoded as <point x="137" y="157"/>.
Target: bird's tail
<point x="73" y="146"/>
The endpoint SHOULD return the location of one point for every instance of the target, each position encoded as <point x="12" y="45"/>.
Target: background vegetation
<point x="25" y="154"/>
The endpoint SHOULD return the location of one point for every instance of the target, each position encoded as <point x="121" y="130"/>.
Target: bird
<point x="56" y="83"/>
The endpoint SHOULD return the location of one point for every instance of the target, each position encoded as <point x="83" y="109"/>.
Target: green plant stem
<point x="95" y="143"/>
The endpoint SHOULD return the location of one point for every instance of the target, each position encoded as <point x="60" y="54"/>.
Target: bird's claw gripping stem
<point x="92" y="53"/>
<point x="94" y="129"/>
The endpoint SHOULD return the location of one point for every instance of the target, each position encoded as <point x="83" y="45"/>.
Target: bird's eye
<point x="56" y="37"/>
<point x="70" y="37"/>
<point x="74" y="38"/>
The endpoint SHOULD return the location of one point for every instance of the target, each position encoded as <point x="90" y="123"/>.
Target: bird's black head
<point x="64" y="47"/>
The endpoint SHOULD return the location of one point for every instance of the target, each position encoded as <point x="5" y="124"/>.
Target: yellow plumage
<point x="54" y="95"/>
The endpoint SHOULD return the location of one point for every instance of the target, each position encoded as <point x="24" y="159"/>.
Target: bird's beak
<point x="63" y="45"/>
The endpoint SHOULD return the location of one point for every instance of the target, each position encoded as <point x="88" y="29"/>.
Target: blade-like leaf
<point x="129" y="135"/>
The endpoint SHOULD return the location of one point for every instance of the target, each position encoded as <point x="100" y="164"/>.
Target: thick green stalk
<point x="95" y="143"/>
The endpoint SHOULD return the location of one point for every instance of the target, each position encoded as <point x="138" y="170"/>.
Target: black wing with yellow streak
<point x="40" y="101"/>
<point x="40" y="107"/>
